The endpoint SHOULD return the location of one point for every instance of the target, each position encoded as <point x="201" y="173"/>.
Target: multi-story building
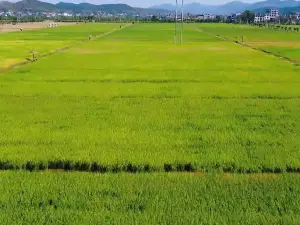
<point x="274" y="13"/>
<point x="271" y="14"/>
<point x="259" y="18"/>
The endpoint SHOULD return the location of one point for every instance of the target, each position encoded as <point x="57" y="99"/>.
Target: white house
<point x="267" y="17"/>
<point x="67" y="14"/>
<point x="259" y="18"/>
<point x="208" y="16"/>
<point x="200" y="17"/>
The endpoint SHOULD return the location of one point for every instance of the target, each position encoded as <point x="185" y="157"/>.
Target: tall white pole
<point x="176" y="15"/>
<point x="181" y="29"/>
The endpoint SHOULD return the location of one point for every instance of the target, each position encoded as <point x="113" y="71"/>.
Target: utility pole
<point x="176" y="14"/>
<point x="181" y="24"/>
<point x="181" y="28"/>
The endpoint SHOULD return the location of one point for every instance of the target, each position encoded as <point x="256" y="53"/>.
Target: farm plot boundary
<point x="96" y="167"/>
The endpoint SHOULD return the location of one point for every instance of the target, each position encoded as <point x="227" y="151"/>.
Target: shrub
<point x="168" y="168"/>
<point x="30" y="166"/>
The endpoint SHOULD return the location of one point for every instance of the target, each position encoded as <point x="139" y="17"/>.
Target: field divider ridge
<point x="59" y="165"/>
<point x="60" y="50"/>
<point x="243" y="44"/>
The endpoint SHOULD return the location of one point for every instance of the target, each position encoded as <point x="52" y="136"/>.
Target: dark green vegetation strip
<point x="95" y="167"/>
<point x="80" y="198"/>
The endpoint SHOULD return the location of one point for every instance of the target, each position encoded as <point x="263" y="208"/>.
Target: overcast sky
<point x="144" y="3"/>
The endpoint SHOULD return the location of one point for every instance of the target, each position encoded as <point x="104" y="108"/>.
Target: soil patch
<point x="4" y="28"/>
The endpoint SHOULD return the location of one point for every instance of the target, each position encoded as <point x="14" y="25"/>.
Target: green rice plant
<point x="16" y="47"/>
<point x="284" y="44"/>
<point x="176" y="198"/>
<point x="116" y="104"/>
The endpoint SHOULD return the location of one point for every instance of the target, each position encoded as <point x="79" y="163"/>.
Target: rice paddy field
<point x="129" y="128"/>
<point x="282" y="43"/>
<point x="79" y="198"/>
<point x="16" y="47"/>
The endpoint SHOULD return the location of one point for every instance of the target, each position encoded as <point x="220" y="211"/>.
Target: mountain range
<point x="234" y="6"/>
<point x="33" y="5"/>
<point x="194" y="8"/>
<point x="39" y="6"/>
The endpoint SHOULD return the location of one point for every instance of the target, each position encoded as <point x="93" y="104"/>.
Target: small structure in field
<point x="34" y="57"/>
<point x="53" y="25"/>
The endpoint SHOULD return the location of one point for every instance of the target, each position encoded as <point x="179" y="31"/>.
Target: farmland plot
<point x="15" y="48"/>
<point x="133" y="98"/>
<point x="279" y="42"/>
<point x="133" y="101"/>
<point x="81" y="198"/>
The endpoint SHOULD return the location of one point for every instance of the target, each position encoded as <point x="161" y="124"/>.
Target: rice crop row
<point x="80" y="198"/>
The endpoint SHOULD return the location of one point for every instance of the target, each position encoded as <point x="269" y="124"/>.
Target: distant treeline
<point x="247" y="17"/>
<point x="279" y="27"/>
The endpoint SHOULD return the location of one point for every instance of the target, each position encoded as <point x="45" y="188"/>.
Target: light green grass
<point x="207" y="102"/>
<point x="280" y="42"/>
<point x="16" y="47"/>
<point x="79" y="198"/>
<point x="133" y="101"/>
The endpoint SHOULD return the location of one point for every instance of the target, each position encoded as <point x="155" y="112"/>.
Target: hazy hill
<point x="195" y="8"/>
<point x="232" y="7"/>
<point x="4" y="5"/>
<point x="37" y="6"/>
<point x="33" y="5"/>
<point x="86" y="7"/>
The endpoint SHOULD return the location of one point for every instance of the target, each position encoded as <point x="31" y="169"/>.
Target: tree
<point x="247" y="16"/>
<point x="218" y="19"/>
<point x="228" y="19"/>
<point x="154" y="19"/>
